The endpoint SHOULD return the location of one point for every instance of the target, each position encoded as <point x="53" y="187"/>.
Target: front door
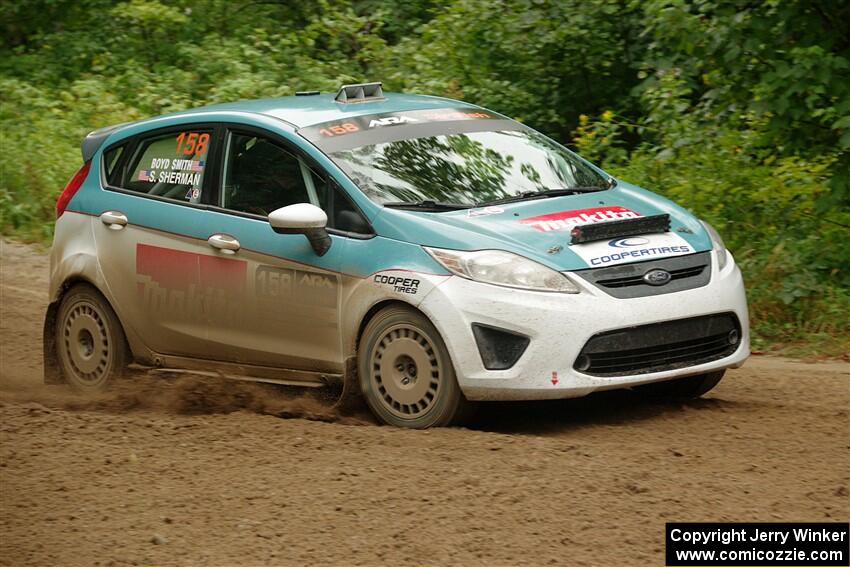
<point x="287" y="314"/>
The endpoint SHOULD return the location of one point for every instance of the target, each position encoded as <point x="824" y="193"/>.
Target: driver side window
<point x="261" y="176"/>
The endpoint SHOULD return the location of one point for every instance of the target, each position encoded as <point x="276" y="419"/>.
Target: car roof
<point x="308" y="110"/>
<point x="298" y="111"/>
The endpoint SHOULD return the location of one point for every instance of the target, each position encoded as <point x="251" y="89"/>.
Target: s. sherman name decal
<point x="565" y="220"/>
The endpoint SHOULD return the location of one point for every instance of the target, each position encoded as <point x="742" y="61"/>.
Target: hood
<point x="540" y="229"/>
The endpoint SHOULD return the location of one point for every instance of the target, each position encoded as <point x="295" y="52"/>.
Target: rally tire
<point x="91" y="347"/>
<point x="688" y="388"/>
<point x="405" y="371"/>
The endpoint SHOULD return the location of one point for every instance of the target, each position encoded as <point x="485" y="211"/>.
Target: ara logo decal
<point x="391" y="121"/>
<point x="566" y="220"/>
<point x="629" y="242"/>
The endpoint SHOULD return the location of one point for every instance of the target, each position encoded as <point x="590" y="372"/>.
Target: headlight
<point x="717" y="243"/>
<point x="502" y="268"/>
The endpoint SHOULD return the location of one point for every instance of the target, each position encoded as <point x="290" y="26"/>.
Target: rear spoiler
<point x="94" y="140"/>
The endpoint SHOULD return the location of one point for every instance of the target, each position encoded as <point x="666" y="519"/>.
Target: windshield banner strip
<point x="386" y="127"/>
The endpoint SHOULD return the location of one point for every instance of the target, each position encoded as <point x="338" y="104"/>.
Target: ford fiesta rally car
<point x="432" y="250"/>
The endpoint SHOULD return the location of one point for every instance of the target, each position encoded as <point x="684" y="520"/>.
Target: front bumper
<point x="560" y="324"/>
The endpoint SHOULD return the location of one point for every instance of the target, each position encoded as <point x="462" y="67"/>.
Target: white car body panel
<point x="559" y="324"/>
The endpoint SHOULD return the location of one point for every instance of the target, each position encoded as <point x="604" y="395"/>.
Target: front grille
<point x="626" y="281"/>
<point x="660" y="346"/>
<point x="638" y="280"/>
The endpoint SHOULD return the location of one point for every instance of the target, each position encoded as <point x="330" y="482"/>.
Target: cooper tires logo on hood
<point x="632" y="249"/>
<point x="628" y="242"/>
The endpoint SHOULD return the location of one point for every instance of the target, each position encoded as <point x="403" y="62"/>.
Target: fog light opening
<point x="582" y="363"/>
<point x="734" y="337"/>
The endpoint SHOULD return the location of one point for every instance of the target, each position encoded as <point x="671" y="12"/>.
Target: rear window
<point x="170" y="165"/>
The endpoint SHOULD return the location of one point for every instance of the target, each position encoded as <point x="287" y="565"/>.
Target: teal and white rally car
<point x="433" y="251"/>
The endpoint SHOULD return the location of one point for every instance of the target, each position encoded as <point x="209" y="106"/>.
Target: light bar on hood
<point x="615" y="229"/>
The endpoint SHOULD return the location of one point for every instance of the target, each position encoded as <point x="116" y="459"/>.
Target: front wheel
<point x="405" y="372"/>
<point x="687" y="388"/>
<point x="90" y="342"/>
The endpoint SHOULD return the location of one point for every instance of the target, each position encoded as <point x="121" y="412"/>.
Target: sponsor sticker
<point x="357" y="124"/>
<point x="632" y="249"/>
<point x="565" y="220"/>
<point x="190" y="286"/>
<point x="391" y="120"/>
<point x="399" y="284"/>
<point x="485" y="211"/>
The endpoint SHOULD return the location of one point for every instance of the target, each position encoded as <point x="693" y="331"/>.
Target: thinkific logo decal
<point x="566" y="220"/>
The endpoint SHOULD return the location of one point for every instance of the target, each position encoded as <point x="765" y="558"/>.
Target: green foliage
<point x="739" y="111"/>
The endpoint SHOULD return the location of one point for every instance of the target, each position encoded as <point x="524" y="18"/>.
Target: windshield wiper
<point x="427" y="204"/>
<point x="546" y="193"/>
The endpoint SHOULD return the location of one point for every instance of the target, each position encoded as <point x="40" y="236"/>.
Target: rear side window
<point x="111" y="159"/>
<point x="170" y="165"/>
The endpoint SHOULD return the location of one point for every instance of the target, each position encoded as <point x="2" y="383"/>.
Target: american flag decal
<point x="146" y="175"/>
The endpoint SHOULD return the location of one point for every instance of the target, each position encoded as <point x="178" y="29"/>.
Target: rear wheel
<point x="90" y="342"/>
<point x="405" y="371"/>
<point x="686" y="388"/>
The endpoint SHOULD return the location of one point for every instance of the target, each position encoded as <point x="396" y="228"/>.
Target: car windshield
<point x="465" y="168"/>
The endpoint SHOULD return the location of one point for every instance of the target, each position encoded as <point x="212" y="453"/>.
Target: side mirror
<point x="306" y="219"/>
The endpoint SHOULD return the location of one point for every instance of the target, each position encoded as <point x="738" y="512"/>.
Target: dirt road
<point x="187" y="472"/>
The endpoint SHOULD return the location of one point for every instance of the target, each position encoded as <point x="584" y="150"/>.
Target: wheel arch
<point x="374" y="310"/>
<point x="52" y="372"/>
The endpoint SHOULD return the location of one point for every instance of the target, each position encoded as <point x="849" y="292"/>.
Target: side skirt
<point x="249" y="372"/>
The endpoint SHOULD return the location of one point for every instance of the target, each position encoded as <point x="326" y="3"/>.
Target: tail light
<point x="71" y="189"/>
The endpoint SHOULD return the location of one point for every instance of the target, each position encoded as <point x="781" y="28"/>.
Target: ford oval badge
<point x="657" y="277"/>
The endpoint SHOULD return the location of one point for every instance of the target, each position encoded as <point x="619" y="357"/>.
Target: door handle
<point x="115" y="220"/>
<point x="224" y="242"/>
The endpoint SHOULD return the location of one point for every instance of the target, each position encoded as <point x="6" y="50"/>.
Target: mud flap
<point x="52" y="372"/>
<point x="349" y="398"/>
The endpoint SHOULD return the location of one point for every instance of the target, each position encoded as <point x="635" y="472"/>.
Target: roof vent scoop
<point x="363" y="92"/>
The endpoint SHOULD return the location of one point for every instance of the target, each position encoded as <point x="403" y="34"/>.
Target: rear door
<point x="167" y="281"/>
